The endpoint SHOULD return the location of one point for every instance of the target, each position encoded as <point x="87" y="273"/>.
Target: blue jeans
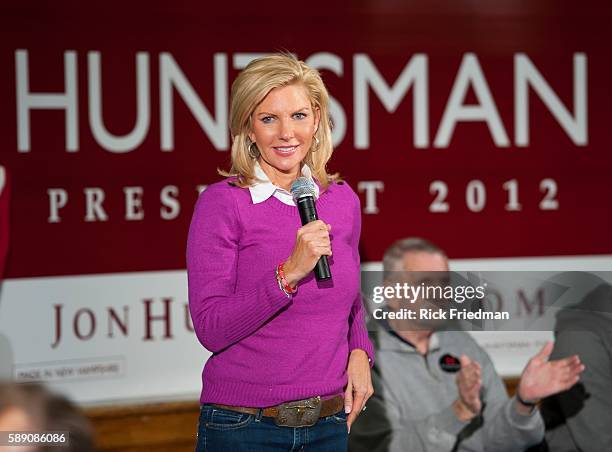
<point x="225" y="430"/>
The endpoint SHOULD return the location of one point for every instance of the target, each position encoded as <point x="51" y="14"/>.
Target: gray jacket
<point x="411" y="409"/>
<point x="581" y="418"/>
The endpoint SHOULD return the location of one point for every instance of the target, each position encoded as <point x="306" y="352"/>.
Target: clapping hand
<point x="542" y="378"/>
<point x="469" y="382"/>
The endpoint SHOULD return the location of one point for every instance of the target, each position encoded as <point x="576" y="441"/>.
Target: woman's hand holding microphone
<point x="312" y="241"/>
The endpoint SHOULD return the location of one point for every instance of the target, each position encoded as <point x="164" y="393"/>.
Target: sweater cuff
<point x="448" y="421"/>
<point x="276" y="296"/>
<point x="519" y="420"/>
<point x="360" y="340"/>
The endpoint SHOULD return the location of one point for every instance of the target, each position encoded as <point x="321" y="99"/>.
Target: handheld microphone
<point x="303" y="193"/>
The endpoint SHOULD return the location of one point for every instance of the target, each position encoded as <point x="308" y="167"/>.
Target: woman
<point x="289" y="353"/>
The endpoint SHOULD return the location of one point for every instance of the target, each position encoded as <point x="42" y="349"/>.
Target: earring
<point x="316" y="146"/>
<point x="253" y="153"/>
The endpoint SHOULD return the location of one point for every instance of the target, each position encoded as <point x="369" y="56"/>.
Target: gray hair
<point x="393" y="256"/>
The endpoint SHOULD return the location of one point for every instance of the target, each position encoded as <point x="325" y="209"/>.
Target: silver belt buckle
<point x="301" y="413"/>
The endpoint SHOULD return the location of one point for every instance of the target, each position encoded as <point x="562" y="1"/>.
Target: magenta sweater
<point x="267" y="348"/>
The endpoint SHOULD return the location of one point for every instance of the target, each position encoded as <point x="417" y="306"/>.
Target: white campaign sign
<point x="102" y="338"/>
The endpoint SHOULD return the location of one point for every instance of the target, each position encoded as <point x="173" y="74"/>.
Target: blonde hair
<point x="250" y="88"/>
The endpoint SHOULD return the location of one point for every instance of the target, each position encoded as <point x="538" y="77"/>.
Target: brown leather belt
<point x="299" y="413"/>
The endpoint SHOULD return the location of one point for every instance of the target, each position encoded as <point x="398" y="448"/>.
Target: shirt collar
<point x="264" y="188"/>
<point x="391" y="340"/>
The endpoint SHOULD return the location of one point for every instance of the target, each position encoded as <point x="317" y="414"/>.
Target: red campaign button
<point x="450" y="363"/>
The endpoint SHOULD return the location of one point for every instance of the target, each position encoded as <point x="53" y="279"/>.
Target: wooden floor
<point x="159" y="427"/>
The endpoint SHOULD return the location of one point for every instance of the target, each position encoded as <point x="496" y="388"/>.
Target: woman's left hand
<point x="359" y="388"/>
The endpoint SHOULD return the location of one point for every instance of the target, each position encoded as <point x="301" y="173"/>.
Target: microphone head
<point x="301" y="187"/>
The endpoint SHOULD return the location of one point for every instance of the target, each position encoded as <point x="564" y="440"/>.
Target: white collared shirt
<point x="260" y="191"/>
